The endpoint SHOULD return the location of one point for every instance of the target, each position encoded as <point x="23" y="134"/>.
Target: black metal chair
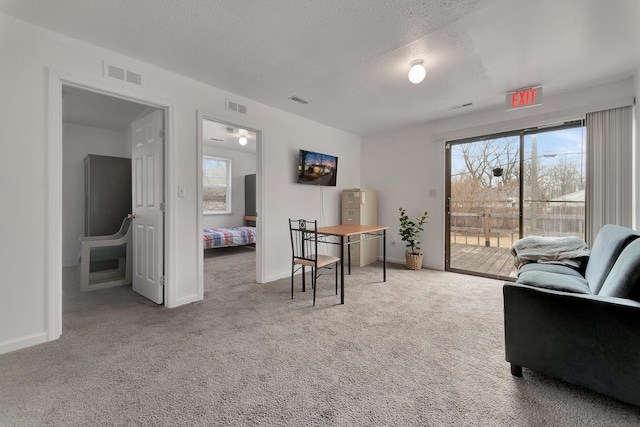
<point x="304" y="247"/>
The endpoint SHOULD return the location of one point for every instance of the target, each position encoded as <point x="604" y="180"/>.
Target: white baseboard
<point x="393" y="260"/>
<point x="186" y="300"/>
<point x="23" y="342"/>
<point x="275" y="277"/>
<point x="403" y="261"/>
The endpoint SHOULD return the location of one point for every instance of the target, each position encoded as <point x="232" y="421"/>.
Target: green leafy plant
<point x="410" y="230"/>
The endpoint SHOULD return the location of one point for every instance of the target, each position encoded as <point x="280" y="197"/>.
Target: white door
<point x="148" y="205"/>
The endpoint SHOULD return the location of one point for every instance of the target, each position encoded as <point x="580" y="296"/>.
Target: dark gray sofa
<point x="582" y="327"/>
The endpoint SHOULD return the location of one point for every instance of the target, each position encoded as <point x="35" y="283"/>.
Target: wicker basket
<point x="414" y="262"/>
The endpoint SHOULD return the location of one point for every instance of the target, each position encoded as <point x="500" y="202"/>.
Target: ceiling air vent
<point x="455" y="107"/>
<point x="119" y="73"/>
<point x="234" y="106"/>
<point x="298" y="99"/>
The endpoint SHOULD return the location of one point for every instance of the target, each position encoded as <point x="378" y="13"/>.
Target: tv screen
<point x="317" y="169"/>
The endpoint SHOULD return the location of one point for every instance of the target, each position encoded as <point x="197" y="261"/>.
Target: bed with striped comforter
<point x="226" y="237"/>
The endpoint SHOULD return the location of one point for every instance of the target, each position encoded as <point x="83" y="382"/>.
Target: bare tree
<point x="559" y="178"/>
<point x="482" y="157"/>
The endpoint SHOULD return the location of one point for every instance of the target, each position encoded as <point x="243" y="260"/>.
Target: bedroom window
<point x="216" y="185"/>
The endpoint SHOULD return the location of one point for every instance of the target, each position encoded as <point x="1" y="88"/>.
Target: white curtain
<point x="609" y="168"/>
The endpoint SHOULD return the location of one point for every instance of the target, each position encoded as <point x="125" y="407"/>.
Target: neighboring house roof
<point x="577" y="196"/>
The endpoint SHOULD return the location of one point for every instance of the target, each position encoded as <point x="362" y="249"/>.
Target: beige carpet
<point x="424" y="348"/>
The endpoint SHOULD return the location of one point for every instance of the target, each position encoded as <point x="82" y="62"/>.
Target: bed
<point x="229" y="236"/>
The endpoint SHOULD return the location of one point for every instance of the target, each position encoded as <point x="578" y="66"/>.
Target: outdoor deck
<point x="481" y="259"/>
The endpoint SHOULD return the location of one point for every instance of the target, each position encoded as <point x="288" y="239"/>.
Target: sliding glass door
<point x="554" y="183"/>
<point x="503" y="187"/>
<point x="483" y="208"/>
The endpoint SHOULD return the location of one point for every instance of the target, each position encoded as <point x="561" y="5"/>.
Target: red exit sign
<point x="529" y="97"/>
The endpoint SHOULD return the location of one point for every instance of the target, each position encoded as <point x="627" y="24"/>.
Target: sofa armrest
<point x="588" y="340"/>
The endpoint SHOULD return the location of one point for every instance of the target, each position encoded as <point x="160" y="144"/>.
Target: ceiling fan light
<point x="242" y="140"/>
<point x="417" y="72"/>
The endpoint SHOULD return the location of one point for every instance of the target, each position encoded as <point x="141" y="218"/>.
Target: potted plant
<point x="410" y="231"/>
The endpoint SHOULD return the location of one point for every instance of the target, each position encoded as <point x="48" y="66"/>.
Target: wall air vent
<point x="298" y="99"/>
<point x="115" y="72"/>
<point x="120" y="73"/>
<point x="134" y="78"/>
<point x="234" y="106"/>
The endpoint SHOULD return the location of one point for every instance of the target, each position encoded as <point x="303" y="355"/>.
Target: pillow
<point x="624" y="279"/>
<point x="609" y="243"/>
<point x="554" y="281"/>
<point x="551" y="268"/>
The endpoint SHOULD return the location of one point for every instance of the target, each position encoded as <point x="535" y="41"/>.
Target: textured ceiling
<point x="349" y="59"/>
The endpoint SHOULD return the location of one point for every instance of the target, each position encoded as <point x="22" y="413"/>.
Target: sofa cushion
<point x="624" y="279"/>
<point x="555" y="281"/>
<point x="551" y="268"/>
<point x="609" y="243"/>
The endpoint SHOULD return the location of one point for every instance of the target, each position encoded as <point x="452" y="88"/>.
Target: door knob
<point x="131" y="215"/>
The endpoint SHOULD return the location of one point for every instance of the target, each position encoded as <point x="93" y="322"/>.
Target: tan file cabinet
<point x="360" y="207"/>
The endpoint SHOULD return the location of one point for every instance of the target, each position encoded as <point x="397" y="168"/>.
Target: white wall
<point x="77" y="142"/>
<point x="29" y="53"/>
<point x="636" y="155"/>
<point x="241" y="164"/>
<point x="404" y="164"/>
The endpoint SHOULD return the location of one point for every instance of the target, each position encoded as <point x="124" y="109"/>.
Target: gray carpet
<point x="425" y="348"/>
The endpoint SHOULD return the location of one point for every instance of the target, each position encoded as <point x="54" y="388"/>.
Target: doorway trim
<point x="233" y="122"/>
<point x="56" y="79"/>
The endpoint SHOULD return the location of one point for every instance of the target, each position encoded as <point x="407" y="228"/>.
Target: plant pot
<point x="414" y="261"/>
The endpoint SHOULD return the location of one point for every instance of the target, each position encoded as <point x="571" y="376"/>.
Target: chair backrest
<point x="304" y="239"/>
<point x="126" y="225"/>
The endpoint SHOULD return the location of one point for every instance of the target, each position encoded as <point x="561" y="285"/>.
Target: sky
<point x="317" y="158"/>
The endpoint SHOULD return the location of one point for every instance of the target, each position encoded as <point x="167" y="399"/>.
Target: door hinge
<point x="162" y="281"/>
<point x="162" y="206"/>
<point x="162" y="133"/>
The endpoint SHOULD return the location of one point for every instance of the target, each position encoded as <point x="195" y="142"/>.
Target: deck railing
<point x="499" y="227"/>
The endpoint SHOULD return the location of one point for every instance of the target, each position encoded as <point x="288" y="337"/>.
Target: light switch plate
<point x="181" y="191"/>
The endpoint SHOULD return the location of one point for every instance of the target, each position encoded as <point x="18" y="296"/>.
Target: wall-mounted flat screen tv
<point x="317" y="168"/>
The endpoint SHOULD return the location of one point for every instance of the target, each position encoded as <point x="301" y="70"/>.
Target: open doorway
<point x="228" y="197"/>
<point x="100" y="188"/>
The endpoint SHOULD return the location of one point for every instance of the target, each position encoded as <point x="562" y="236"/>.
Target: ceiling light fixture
<point x="242" y="140"/>
<point x="417" y="72"/>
